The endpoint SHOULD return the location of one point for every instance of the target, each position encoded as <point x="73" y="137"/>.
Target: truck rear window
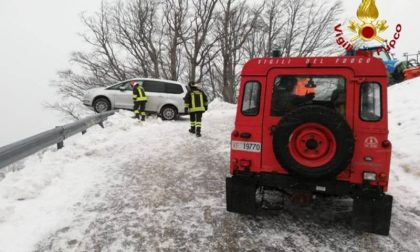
<point x="251" y="101"/>
<point x="290" y="92"/>
<point x="370" y="102"/>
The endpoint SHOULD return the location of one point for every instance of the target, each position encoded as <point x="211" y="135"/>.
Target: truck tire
<point x="313" y="142"/>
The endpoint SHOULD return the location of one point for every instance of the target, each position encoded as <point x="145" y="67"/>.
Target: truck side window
<point x="251" y="99"/>
<point x="370" y="102"/>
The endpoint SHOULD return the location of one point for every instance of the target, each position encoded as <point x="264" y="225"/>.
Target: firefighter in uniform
<point x="304" y="91"/>
<point x="139" y="99"/>
<point x="195" y="104"/>
<point x="304" y="87"/>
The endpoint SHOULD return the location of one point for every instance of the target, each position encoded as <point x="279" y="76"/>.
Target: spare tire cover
<point x="313" y="142"/>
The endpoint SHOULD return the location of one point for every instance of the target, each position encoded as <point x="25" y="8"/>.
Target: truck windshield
<point x="290" y="92"/>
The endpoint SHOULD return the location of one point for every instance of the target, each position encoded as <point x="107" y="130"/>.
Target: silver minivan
<point x="165" y="97"/>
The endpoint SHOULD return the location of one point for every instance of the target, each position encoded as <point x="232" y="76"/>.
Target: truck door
<point x="371" y="130"/>
<point x="246" y="146"/>
<point x="325" y="86"/>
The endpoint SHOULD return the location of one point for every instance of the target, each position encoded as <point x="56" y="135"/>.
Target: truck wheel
<point x="313" y="142"/>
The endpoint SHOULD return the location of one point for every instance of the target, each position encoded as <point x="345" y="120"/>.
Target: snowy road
<point x="146" y="189"/>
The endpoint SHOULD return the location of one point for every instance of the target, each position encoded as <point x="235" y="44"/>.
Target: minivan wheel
<point x="101" y="105"/>
<point x="169" y="113"/>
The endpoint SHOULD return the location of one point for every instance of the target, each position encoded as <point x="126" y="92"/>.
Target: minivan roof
<point x="151" y="79"/>
<point x="361" y="65"/>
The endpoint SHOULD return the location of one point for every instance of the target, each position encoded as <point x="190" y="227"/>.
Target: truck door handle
<point x="245" y="135"/>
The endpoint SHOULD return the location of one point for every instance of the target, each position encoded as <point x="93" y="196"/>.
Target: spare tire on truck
<point x="313" y="142"/>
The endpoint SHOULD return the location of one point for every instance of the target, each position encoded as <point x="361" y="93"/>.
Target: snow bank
<point x="47" y="193"/>
<point x="41" y="197"/>
<point x="219" y="104"/>
<point x="404" y="125"/>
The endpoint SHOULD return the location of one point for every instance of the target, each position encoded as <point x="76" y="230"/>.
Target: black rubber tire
<point x="168" y="113"/>
<point x="328" y="118"/>
<point x="101" y="104"/>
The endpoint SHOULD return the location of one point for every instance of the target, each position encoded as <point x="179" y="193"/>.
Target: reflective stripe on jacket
<point x="138" y="93"/>
<point x="196" y="101"/>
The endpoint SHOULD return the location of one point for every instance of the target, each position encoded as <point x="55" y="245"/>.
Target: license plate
<point x="246" y="146"/>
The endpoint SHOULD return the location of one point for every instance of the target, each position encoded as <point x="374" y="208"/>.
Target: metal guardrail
<point x="26" y="147"/>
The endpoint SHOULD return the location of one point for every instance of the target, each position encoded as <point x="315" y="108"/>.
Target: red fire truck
<point x="315" y="125"/>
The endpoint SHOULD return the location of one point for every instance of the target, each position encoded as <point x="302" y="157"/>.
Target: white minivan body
<point x="164" y="97"/>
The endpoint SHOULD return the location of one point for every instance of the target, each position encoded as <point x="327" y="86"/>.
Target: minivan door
<point x="289" y="88"/>
<point x="154" y="91"/>
<point x="123" y="96"/>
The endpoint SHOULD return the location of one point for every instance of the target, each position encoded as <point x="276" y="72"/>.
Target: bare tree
<point x="136" y="27"/>
<point x="98" y="67"/>
<point x="205" y="40"/>
<point x="103" y="60"/>
<point x="237" y="22"/>
<point x="197" y="42"/>
<point x="307" y="26"/>
<point x="175" y="12"/>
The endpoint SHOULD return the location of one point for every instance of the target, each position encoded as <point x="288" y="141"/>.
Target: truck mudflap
<point x="241" y="195"/>
<point x="372" y="214"/>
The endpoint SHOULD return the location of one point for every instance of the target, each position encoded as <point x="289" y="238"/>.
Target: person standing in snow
<point x="195" y="104"/>
<point x="139" y="99"/>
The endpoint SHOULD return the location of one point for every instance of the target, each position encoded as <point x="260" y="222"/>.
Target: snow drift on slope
<point x="42" y="195"/>
<point x="404" y="124"/>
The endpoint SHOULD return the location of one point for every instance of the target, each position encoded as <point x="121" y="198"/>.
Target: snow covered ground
<point x="139" y="187"/>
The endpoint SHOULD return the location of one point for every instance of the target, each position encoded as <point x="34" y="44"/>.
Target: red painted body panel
<point x="369" y="154"/>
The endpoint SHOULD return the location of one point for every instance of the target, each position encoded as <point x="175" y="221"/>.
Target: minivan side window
<point x="154" y="86"/>
<point x="370" y="102"/>
<point x="125" y="85"/>
<point x="173" y="88"/>
<point x="251" y="99"/>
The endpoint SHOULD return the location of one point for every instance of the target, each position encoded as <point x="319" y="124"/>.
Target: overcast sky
<point x="37" y="37"/>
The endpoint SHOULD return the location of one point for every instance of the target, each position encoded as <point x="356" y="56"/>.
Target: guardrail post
<point x="84" y="132"/>
<point x="60" y="145"/>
